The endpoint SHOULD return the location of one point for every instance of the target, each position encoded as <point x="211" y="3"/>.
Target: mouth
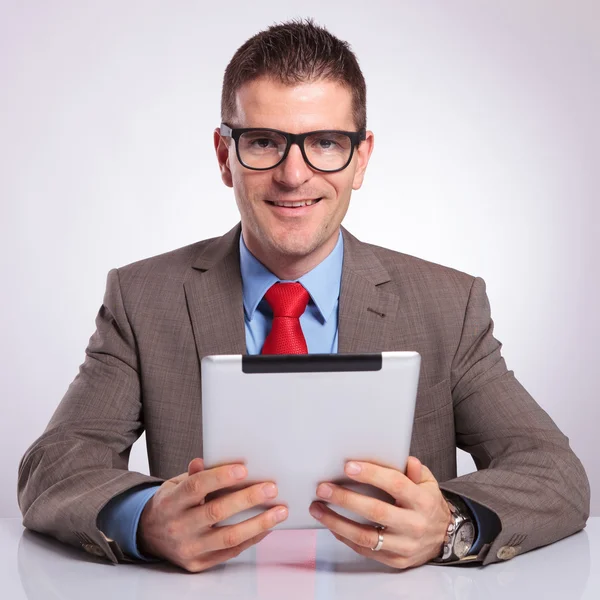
<point x="294" y="204"/>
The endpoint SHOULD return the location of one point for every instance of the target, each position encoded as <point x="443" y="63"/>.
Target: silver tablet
<point x="297" y="419"/>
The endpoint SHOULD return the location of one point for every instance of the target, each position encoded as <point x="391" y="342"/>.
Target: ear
<point x="222" y="146"/>
<point x="363" y="153"/>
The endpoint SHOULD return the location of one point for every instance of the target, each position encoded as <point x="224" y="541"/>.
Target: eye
<point x="262" y="143"/>
<point x="326" y="143"/>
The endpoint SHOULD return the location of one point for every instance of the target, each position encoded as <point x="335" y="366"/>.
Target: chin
<point x="294" y="248"/>
<point x="295" y="244"/>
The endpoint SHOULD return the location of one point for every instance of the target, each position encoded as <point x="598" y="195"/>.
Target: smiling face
<point x="291" y="241"/>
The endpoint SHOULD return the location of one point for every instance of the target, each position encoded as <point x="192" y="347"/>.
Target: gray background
<point x="487" y="160"/>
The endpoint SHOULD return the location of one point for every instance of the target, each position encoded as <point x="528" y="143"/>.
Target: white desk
<point x="34" y="568"/>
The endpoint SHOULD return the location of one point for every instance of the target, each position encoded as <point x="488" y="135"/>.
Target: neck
<point x="289" y="267"/>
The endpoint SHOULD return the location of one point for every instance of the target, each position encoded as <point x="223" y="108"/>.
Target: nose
<point x="293" y="171"/>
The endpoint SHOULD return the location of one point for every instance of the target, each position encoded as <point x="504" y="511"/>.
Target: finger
<point x="392" y="481"/>
<point x="396" y="542"/>
<point x="192" y="491"/>
<point x="231" y="536"/>
<point x="178" y="478"/>
<point x="427" y="476"/>
<point x="196" y="466"/>
<point x="413" y="469"/>
<point x="417" y="472"/>
<point x="387" y="558"/>
<point x="372" y="509"/>
<point x="365" y="536"/>
<point x="226" y="506"/>
<point x="213" y="559"/>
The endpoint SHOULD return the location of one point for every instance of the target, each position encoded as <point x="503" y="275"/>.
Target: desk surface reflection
<point x="296" y="565"/>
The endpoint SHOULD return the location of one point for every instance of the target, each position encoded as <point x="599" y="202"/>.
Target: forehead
<point x="305" y="106"/>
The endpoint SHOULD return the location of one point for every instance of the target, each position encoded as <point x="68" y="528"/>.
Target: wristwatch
<point x="461" y="532"/>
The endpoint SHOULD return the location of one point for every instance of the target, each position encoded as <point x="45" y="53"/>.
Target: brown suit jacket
<point x="160" y="316"/>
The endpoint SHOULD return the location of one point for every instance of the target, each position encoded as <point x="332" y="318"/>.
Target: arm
<point x="527" y="473"/>
<point x="80" y="462"/>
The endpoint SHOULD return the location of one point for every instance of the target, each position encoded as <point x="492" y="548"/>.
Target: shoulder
<point x="434" y="288"/>
<point x="404" y="269"/>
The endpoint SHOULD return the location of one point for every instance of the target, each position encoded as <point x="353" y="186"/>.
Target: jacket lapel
<point x="378" y="314"/>
<point x="214" y="298"/>
<point x="367" y="312"/>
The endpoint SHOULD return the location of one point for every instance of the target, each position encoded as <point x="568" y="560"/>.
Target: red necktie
<point x="288" y="301"/>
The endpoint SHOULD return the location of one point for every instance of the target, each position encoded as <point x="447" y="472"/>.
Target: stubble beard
<point x="293" y="244"/>
<point x="284" y="250"/>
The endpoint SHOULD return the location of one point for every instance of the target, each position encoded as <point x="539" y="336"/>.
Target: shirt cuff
<point x="119" y="519"/>
<point x="487" y="523"/>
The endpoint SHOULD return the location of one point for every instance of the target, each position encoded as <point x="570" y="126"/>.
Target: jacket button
<point x="508" y="552"/>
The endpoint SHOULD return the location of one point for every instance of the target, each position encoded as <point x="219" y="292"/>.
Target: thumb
<point x="414" y="469"/>
<point x="427" y="476"/>
<point x="196" y="466"/>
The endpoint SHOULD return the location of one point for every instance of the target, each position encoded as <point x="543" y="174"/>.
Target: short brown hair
<point x="292" y="52"/>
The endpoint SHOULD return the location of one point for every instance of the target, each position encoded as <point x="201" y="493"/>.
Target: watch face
<point x="465" y="537"/>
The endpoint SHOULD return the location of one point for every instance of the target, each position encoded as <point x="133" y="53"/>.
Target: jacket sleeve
<point x="527" y="473"/>
<point x="80" y="461"/>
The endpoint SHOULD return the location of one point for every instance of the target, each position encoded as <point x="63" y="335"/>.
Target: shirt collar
<point x="322" y="283"/>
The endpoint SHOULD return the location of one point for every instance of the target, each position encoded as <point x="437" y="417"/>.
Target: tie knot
<point x="287" y="299"/>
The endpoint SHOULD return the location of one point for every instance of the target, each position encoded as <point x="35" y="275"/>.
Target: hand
<point x="176" y="523"/>
<point x="415" y="527"/>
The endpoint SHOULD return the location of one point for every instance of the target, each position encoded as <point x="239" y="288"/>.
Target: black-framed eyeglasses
<point x="327" y="150"/>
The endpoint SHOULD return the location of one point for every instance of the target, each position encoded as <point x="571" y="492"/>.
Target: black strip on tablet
<point x="310" y="363"/>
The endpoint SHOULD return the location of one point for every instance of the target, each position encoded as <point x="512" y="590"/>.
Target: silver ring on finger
<point x="379" y="544"/>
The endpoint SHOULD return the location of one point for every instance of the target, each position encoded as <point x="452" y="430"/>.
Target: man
<point x="293" y="145"/>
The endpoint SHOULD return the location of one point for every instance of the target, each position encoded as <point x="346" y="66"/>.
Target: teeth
<point x="295" y="204"/>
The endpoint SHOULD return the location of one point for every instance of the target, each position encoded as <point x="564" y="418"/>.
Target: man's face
<point x="287" y="234"/>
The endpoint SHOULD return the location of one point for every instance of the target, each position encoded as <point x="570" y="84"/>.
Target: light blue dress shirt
<point x="119" y="519"/>
<point x="319" y="321"/>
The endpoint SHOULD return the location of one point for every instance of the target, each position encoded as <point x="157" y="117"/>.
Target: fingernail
<point x="269" y="490"/>
<point x="281" y="514"/>
<point x="324" y="491"/>
<point x="352" y="468"/>
<point x="316" y="511"/>
<point x="238" y="472"/>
